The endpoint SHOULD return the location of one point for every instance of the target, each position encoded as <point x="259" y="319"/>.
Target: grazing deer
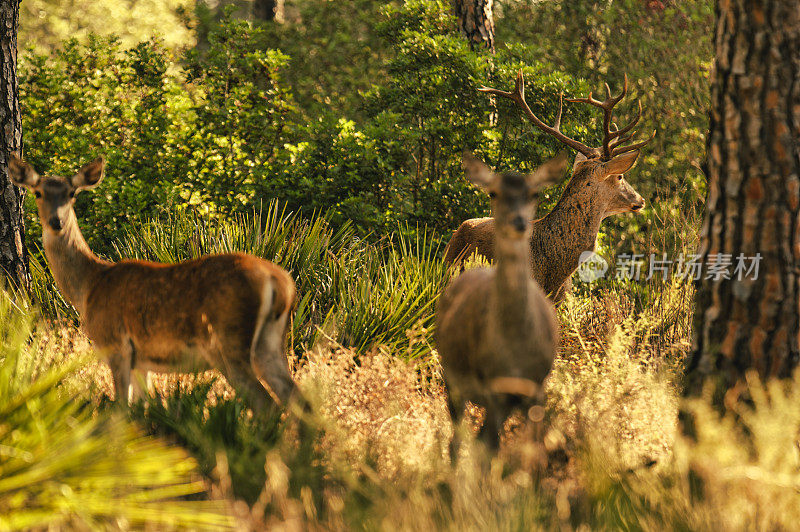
<point x="496" y="330"/>
<point x="595" y="191"/>
<point x="229" y="312"/>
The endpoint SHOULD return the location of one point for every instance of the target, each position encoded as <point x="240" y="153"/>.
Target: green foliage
<point x="96" y="99"/>
<point x="665" y="49"/>
<point x="336" y="54"/>
<point x="45" y="24"/>
<point x="219" y="131"/>
<point x="243" y="115"/>
<point x="389" y="298"/>
<point x="63" y="465"/>
<point x="170" y="142"/>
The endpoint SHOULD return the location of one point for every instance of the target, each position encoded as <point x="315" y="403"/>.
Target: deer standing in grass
<point x="496" y="330"/>
<point x="595" y="191"/>
<point x="229" y="312"/>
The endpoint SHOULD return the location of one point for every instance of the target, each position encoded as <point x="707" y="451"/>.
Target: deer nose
<point x="55" y="223"/>
<point x="519" y="223"/>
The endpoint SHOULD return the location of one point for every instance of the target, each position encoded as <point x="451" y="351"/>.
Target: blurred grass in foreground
<point x="65" y="465"/>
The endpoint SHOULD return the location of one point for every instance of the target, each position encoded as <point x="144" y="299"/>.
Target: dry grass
<point x="378" y="407"/>
<point x="612" y="456"/>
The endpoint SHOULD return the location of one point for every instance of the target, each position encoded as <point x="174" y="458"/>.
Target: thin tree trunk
<point x="268" y="10"/>
<point x="476" y="22"/>
<point x="753" y="204"/>
<point x="13" y="255"/>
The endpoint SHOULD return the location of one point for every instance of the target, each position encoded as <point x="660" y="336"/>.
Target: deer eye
<point x="71" y="193"/>
<point x="619" y="177"/>
<point x="37" y="194"/>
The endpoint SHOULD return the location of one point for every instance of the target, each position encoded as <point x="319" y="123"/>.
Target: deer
<point x="596" y="190"/>
<point x="228" y="311"/>
<point x="496" y="330"/>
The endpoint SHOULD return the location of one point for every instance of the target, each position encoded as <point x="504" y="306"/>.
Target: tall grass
<point x="64" y="465"/>
<point x="612" y="455"/>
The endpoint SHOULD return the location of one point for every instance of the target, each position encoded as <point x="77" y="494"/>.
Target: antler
<point x="613" y="141"/>
<point x="518" y="96"/>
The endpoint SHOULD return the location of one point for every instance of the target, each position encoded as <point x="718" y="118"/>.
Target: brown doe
<point x="496" y="331"/>
<point x="595" y="191"/>
<point x="229" y="312"/>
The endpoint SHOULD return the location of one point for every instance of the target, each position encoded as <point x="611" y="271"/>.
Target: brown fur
<point x="229" y="312"/>
<point x="595" y="191"/>
<point x="495" y="323"/>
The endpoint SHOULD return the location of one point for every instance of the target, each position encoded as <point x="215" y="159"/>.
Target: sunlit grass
<point x="63" y="464"/>
<point x="612" y="454"/>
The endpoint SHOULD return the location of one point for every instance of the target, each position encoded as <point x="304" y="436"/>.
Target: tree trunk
<point x="13" y="255"/>
<point x="476" y="22"/>
<point x="753" y="204"/>
<point x="268" y="10"/>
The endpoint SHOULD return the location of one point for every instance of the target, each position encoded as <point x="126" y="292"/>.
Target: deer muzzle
<point x="55" y="223"/>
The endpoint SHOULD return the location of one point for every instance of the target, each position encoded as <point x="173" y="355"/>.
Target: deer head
<point x="598" y="172"/>
<point x="55" y="195"/>
<point x="514" y="196"/>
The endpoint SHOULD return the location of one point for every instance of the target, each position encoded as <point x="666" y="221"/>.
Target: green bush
<point x="218" y="132"/>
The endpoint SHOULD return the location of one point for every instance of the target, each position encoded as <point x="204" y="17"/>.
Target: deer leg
<point x="498" y="409"/>
<point x="456" y="408"/>
<point x="121" y="363"/>
<point x="562" y="291"/>
<point x="141" y="384"/>
<point x="247" y="386"/>
<point x="268" y="359"/>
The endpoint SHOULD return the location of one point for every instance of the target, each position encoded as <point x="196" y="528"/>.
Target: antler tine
<point x="607" y="106"/>
<point x="557" y="124"/>
<point x="620" y="132"/>
<point x="518" y="96"/>
<point x="636" y="146"/>
<point x="620" y="140"/>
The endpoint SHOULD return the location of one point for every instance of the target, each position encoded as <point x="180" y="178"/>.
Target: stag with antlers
<point x="595" y="191"/>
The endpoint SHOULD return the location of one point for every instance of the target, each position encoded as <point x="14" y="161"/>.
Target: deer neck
<point x="511" y="287"/>
<point x="564" y="234"/>
<point x="73" y="264"/>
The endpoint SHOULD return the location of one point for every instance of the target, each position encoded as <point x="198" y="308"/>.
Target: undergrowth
<point x="613" y="454"/>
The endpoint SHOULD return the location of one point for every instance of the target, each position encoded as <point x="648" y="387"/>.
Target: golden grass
<point x="613" y="454"/>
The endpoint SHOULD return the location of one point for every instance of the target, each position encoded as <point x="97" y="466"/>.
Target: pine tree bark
<point x="476" y="22"/>
<point x="13" y="254"/>
<point x="268" y="10"/>
<point x="753" y="203"/>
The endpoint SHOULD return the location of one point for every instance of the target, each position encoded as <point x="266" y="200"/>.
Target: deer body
<point x="495" y="325"/>
<point x="559" y="238"/>
<point x="229" y="312"/>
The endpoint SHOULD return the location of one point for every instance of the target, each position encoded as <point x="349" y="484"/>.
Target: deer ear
<point x="476" y="171"/>
<point x="21" y="173"/>
<point x="90" y="175"/>
<point x="621" y="163"/>
<point x="548" y="173"/>
<point x="579" y="158"/>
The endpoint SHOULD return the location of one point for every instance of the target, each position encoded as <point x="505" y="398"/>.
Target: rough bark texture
<point x="13" y="255"/>
<point x="268" y="10"/>
<point x="476" y="22"/>
<point x="753" y="203"/>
